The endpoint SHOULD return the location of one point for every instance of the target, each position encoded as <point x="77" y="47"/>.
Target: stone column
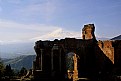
<point x="60" y="59"/>
<point x="52" y="59"/>
<point x="75" y="72"/>
<point x="40" y="59"/>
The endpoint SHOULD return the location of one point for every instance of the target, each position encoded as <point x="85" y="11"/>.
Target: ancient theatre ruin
<point x="72" y="58"/>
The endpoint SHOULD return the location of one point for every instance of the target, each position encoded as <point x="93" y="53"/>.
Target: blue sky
<point x="42" y="19"/>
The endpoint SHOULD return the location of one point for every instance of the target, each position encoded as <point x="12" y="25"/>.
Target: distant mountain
<point x="58" y="34"/>
<point x="102" y="38"/>
<point x="21" y="61"/>
<point x="116" y="38"/>
<point x="13" y="50"/>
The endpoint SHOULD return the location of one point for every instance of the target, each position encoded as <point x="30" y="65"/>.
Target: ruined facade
<point x="88" y="32"/>
<point x="94" y="57"/>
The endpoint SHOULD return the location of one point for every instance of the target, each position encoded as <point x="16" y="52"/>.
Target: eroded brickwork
<point x="88" y="32"/>
<point x="107" y="48"/>
<point x="95" y="57"/>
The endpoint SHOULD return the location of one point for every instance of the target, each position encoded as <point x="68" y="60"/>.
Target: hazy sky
<point x="30" y="19"/>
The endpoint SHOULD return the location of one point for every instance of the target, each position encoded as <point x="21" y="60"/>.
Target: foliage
<point x="1" y="66"/>
<point x="22" y="61"/>
<point x="23" y="71"/>
<point x="1" y="69"/>
<point x="8" y="71"/>
<point x="69" y="61"/>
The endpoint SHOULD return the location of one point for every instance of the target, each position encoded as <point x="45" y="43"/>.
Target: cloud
<point x="34" y="27"/>
<point x="16" y="32"/>
<point x="14" y="1"/>
<point x="45" y="9"/>
<point x="0" y="8"/>
<point x="10" y="30"/>
<point x="13" y="42"/>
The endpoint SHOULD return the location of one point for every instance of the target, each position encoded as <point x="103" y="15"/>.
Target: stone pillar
<point x="40" y="59"/>
<point x="75" y="72"/>
<point x="60" y="59"/>
<point x="52" y="60"/>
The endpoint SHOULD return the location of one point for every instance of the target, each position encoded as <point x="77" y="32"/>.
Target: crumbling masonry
<point x="95" y="58"/>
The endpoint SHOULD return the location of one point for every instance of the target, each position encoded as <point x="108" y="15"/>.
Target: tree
<point x="23" y="71"/>
<point x="1" y="69"/>
<point x="8" y="71"/>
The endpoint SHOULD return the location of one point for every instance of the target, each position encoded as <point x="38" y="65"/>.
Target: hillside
<point x="21" y="61"/>
<point x="116" y="38"/>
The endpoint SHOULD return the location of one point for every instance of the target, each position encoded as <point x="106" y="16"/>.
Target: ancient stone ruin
<point x="75" y="59"/>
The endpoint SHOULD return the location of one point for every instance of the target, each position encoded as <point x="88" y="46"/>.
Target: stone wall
<point x="107" y="48"/>
<point x="88" y="32"/>
<point x="117" y="53"/>
<point x="95" y="57"/>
